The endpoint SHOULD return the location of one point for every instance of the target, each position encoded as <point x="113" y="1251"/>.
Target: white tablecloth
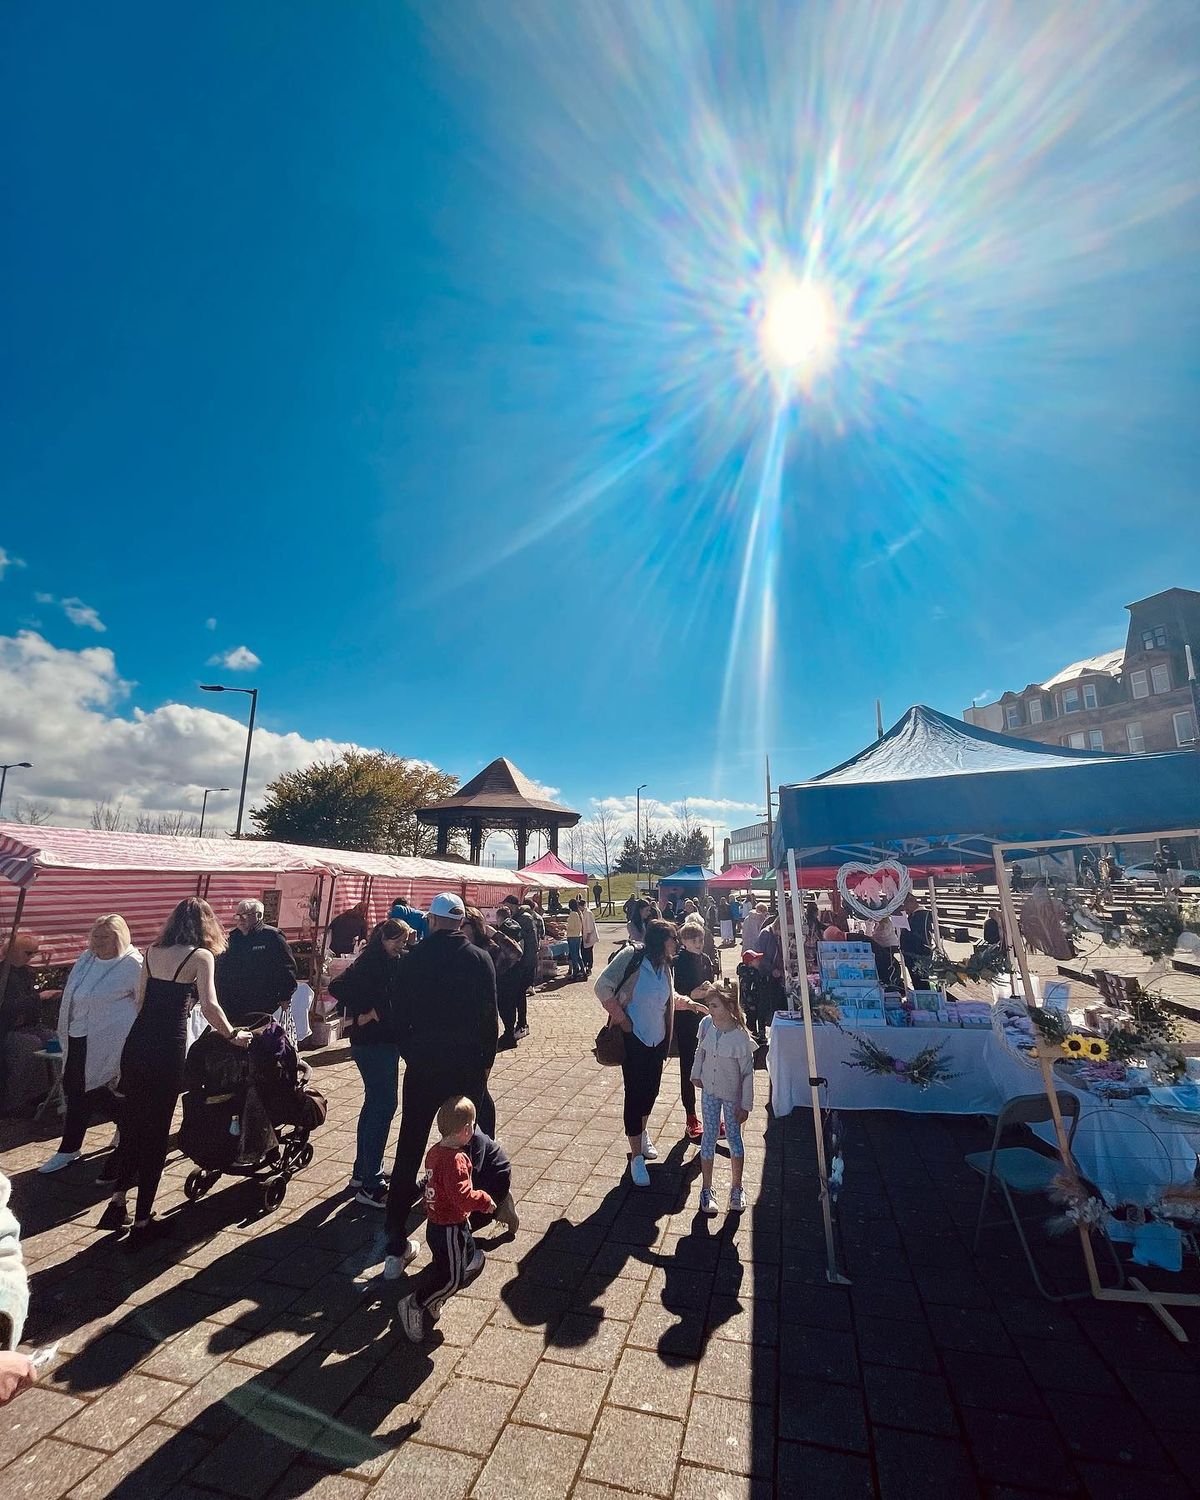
<point x="973" y="1093"/>
<point x="1127" y="1149"/>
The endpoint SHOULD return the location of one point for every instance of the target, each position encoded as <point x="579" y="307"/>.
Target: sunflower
<point x="1074" y="1045"/>
<point x="1095" y="1049"/>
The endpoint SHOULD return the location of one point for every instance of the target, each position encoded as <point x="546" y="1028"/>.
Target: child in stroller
<point x="248" y="1111"/>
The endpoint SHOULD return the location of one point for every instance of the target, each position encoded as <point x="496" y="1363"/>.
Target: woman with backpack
<point x="366" y="996"/>
<point x="637" y="990"/>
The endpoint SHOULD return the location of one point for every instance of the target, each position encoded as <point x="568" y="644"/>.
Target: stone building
<point x="1140" y="698"/>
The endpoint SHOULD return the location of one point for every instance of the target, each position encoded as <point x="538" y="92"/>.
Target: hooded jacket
<point x="256" y="974"/>
<point x="446" y="1005"/>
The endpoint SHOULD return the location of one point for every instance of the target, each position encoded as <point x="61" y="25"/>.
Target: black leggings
<point x="642" y="1072"/>
<point x="147" y="1108"/>
<point x="79" y="1099"/>
<point x="687" y="1025"/>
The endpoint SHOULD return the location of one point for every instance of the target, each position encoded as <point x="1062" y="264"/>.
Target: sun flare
<point x="797" y="332"/>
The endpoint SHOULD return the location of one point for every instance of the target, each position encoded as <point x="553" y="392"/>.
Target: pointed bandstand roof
<point x="500" y="792"/>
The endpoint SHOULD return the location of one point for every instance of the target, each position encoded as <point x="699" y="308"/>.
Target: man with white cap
<point x="448" y="1024"/>
<point x="257" y="972"/>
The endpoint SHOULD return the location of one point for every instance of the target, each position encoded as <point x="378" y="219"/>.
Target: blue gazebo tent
<point x="689" y="875"/>
<point x="938" y="788"/>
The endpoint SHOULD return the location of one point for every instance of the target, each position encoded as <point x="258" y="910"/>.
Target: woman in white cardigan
<point x="98" y="1007"/>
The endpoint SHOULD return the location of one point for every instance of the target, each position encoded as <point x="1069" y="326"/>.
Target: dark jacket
<point x="346" y="929"/>
<point x="371" y="983"/>
<point x="490" y="1166"/>
<point x="255" y="974"/>
<point x="529" y="939"/>
<point x="918" y="940"/>
<point x="446" y="996"/>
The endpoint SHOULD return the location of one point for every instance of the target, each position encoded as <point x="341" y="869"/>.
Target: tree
<point x="109" y="817"/>
<point x="33" y="814"/>
<point x="599" y="839"/>
<point x="697" y="848"/>
<point x="364" y="800"/>
<point x="176" y="824"/>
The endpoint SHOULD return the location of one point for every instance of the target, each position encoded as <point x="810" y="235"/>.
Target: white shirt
<point x="647" y="1010"/>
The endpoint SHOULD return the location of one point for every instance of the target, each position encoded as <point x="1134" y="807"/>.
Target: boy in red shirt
<point x="450" y="1200"/>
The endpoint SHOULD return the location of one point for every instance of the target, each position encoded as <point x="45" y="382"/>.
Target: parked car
<point x="1144" y="875"/>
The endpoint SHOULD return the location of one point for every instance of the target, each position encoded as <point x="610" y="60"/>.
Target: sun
<point x="797" y="332"/>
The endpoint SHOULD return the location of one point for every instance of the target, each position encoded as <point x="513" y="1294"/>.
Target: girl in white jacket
<point x="724" y="1069"/>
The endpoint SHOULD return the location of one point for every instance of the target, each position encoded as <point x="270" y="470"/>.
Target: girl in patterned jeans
<point x="724" y="1069"/>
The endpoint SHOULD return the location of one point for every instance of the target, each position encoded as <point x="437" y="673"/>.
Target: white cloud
<point x="210" y="623"/>
<point x="62" y="710"/>
<point x="546" y="793"/>
<point x="76" y="611"/>
<point x="721" y="813"/>
<point x="239" y="659"/>
<point x="7" y="560"/>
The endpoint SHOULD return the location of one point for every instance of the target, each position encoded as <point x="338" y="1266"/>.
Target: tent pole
<point x="832" y="1273"/>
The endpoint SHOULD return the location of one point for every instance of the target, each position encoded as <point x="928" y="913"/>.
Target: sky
<point x="418" y="365"/>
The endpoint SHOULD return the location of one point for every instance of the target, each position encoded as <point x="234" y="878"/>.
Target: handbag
<point x="609" y="1049"/>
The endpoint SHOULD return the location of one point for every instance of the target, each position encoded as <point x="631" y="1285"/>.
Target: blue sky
<point x="418" y="348"/>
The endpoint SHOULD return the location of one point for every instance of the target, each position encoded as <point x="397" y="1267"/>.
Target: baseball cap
<point x="447" y="904"/>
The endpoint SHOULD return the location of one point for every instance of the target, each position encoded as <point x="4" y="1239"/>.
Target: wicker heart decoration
<point x="873" y="890"/>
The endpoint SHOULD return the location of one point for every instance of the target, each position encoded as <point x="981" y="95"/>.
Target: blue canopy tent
<point x="688" y="880"/>
<point x="938" y="787"/>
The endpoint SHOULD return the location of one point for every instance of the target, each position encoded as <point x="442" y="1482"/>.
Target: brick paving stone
<point x="113" y="1418"/>
<point x="145" y="1466"/>
<point x="634" y="1451"/>
<point x="913" y="1466"/>
<point x="996" y="1382"/>
<point x="47" y="1471"/>
<point x="220" y="1400"/>
<point x="738" y="1370"/>
<point x="503" y="1355"/>
<point x="588" y="1489"/>
<point x="907" y="1398"/>
<point x="903" y="1344"/>
<point x="819" y="1354"/>
<point x="681" y="1334"/>
<point x="732" y="1435"/>
<point x="419" y="1472"/>
<point x="600" y="1297"/>
<point x="1019" y="1451"/>
<point x="300" y="1481"/>
<point x="1106" y="1482"/>
<point x="34" y="1414"/>
<point x="749" y="1322"/>
<point x="580" y="1340"/>
<point x="252" y="1457"/>
<point x="823" y="1474"/>
<point x="192" y="1353"/>
<point x="648" y="1381"/>
<point x="461" y="1320"/>
<point x="468" y="1415"/>
<point x="712" y="1484"/>
<point x="532" y="1464"/>
<point x="1106" y="1429"/>
<point x="813" y="1411"/>
<point x="563" y="1398"/>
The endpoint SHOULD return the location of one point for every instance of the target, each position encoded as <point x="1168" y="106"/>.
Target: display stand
<point x="832" y="1272"/>
<point x="1137" y="1292"/>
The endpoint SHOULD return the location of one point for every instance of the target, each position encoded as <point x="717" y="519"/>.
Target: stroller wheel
<point x="273" y="1193"/>
<point x="197" y="1184"/>
<point x="304" y="1156"/>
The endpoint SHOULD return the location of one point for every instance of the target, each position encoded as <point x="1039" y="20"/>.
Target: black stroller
<point x="248" y="1112"/>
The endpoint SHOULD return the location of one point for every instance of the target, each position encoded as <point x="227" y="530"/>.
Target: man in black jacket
<point x="257" y="972"/>
<point x="446" y="1012"/>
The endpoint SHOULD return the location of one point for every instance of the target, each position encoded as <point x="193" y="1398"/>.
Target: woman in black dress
<point x="177" y="972"/>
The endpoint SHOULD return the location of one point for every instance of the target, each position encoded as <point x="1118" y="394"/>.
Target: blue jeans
<point x="379" y="1064"/>
<point x="575" y="955"/>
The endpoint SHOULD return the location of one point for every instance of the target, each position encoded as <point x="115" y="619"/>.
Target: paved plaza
<point x="618" y="1345"/>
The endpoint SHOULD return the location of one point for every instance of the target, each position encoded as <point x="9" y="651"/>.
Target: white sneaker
<point x="649" y="1149"/>
<point x="637" y="1170"/>
<point x="59" y="1160"/>
<point x="708" y="1201"/>
<point x="394" y="1265"/>
<point x="737" y="1201"/>
<point x="412" y="1320"/>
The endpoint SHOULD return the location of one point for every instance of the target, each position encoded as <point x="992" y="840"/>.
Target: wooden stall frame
<point x="1137" y="1292"/>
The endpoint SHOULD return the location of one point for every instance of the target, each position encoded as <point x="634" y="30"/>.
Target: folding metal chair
<point x="1017" y="1169"/>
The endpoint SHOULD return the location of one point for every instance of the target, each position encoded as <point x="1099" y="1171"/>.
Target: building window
<point x="1160" y="678"/>
<point x="1185" y="728"/>
<point x="1012" y="715"/>
<point x="1155" y="639"/>
<point x="1096" y="739"/>
<point x="1070" y="700"/>
<point x="1089" y="695"/>
<point x="1035" y="710"/>
<point x="1077" y="741"/>
<point x="1133" y="733"/>
<point x="1139" y="684"/>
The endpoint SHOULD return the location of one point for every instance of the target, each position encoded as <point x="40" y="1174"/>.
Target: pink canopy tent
<point x="56" y="881"/>
<point x="551" y="873"/>
<point x="738" y="878"/>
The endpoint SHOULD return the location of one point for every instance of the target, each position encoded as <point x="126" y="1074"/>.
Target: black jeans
<point x="79" y="1100"/>
<point x="510" y="986"/>
<point x="687" y="1024"/>
<point x="425" y="1090"/>
<point x="527" y="978"/>
<point x="642" y="1072"/>
<point x="587" y="959"/>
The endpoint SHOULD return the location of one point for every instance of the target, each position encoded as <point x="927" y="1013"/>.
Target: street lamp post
<point x="204" y="804"/>
<point x="13" y="765"/>
<point x="637" y="878"/>
<point x="217" y="687"/>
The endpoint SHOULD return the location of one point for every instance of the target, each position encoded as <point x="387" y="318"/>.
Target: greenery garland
<point x="987" y="962"/>
<point x="925" y="1068"/>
